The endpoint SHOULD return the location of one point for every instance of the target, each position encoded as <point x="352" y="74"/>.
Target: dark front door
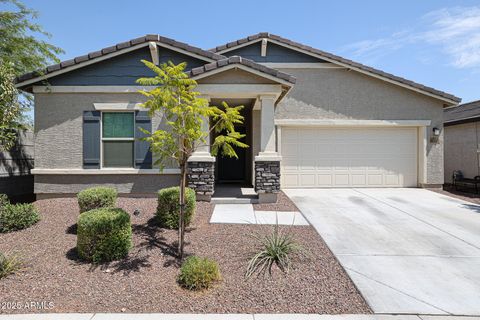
<point x="233" y="169"/>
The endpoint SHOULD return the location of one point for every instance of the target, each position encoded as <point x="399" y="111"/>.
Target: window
<point x="118" y="139"/>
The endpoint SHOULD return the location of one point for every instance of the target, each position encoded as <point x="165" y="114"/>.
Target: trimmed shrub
<point x="3" y="200"/>
<point x="9" y="265"/>
<point x="17" y="216"/>
<point x="198" y="273"/>
<point x="97" y="197"/>
<point x="104" y="235"/>
<point x="168" y="209"/>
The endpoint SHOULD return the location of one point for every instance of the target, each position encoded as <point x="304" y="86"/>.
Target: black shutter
<point x="143" y="155"/>
<point x="91" y="139"/>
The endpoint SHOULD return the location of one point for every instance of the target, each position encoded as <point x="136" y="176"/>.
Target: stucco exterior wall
<point x="343" y="94"/>
<point x="58" y="126"/>
<point x="461" y="144"/>
<point x="126" y="183"/>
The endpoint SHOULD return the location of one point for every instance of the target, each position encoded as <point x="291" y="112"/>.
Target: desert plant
<point x="168" y="208"/>
<point x="276" y="248"/>
<point x="198" y="273"/>
<point x="97" y="197"/>
<point x="17" y="216"/>
<point x="104" y="235"/>
<point x="9" y="265"/>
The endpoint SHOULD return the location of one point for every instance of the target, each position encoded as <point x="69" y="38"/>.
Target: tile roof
<point x="336" y="58"/>
<point x="242" y="61"/>
<point x="119" y="47"/>
<point x="466" y="112"/>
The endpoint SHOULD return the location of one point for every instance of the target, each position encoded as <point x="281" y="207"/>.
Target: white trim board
<point x="104" y="171"/>
<point x="212" y="90"/>
<point x="119" y="106"/>
<point x="108" y="56"/>
<point x="351" y="123"/>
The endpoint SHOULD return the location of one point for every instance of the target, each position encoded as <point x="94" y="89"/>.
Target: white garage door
<point x="348" y="157"/>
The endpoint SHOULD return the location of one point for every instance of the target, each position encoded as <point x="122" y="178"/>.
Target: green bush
<point x="198" y="273"/>
<point x="9" y="265"/>
<point x="168" y="208"/>
<point x="97" y="197"/>
<point x="17" y="216"/>
<point x="104" y="235"/>
<point x="3" y="200"/>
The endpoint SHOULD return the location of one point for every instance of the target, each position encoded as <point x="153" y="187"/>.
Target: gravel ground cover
<point x="283" y="204"/>
<point x="146" y="280"/>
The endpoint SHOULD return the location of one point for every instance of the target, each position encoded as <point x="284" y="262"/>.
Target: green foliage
<point x="10" y="108"/>
<point x="277" y="249"/>
<point x="198" y="273"/>
<point x="104" y="235"/>
<point x="3" y="200"/>
<point x="187" y="114"/>
<point x="15" y="217"/>
<point x="19" y="44"/>
<point x="97" y="197"/>
<point x="168" y="209"/>
<point x="9" y="265"/>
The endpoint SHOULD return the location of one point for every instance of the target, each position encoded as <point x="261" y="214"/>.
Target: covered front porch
<point x="257" y="166"/>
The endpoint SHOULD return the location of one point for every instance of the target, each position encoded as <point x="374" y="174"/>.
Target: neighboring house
<point x="312" y="119"/>
<point x="16" y="181"/>
<point x="462" y="136"/>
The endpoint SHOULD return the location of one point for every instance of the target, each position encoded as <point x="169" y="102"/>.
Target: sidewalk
<point x="161" y="316"/>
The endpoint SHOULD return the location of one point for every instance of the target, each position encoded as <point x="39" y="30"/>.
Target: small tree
<point x="185" y="111"/>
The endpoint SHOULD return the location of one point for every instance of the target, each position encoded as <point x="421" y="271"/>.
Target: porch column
<point x="267" y="162"/>
<point x="201" y="167"/>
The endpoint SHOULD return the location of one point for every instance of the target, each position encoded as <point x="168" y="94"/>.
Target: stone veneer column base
<point x="201" y="178"/>
<point x="267" y="180"/>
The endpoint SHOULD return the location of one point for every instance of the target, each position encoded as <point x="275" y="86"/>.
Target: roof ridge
<point x="336" y="58"/>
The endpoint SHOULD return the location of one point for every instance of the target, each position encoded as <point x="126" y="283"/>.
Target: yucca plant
<point x="277" y="248"/>
<point x="9" y="265"/>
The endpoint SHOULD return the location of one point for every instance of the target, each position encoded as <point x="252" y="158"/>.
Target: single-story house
<point x="312" y="120"/>
<point x="462" y="138"/>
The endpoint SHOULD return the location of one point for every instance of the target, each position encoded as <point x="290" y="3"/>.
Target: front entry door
<point x="233" y="169"/>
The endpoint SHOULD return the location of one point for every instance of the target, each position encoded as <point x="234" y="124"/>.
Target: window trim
<point x="102" y="139"/>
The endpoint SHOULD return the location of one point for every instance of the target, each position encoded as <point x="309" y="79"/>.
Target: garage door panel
<point x="349" y="157"/>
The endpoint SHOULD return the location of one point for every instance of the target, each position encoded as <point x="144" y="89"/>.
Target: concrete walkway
<point x="410" y="251"/>
<point x="160" y="316"/>
<point x="244" y="214"/>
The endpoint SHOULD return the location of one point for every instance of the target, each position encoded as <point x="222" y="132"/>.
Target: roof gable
<point x="271" y="38"/>
<point x="274" y="53"/>
<point x="109" y="52"/>
<point x="123" y="69"/>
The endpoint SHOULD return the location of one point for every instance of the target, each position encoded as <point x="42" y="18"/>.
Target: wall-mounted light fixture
<point x="436" y="132"/>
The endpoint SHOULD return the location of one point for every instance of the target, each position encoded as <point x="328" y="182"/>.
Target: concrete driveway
<point x="407" y="250"/>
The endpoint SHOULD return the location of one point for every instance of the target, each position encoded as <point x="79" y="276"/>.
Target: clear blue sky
<point x="436" y="42"/>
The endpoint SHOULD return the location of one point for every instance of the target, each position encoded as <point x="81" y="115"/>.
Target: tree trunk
<point x="181" y="224"/>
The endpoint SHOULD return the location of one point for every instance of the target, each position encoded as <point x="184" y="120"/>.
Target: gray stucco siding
<point x="275" y="53"/>
<point x="461" y="144"/>
<point x="58" y="126"/>
<point x="124" y="69"/>
<point x="126" y="183"/>
<point x="343" y="94"/>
